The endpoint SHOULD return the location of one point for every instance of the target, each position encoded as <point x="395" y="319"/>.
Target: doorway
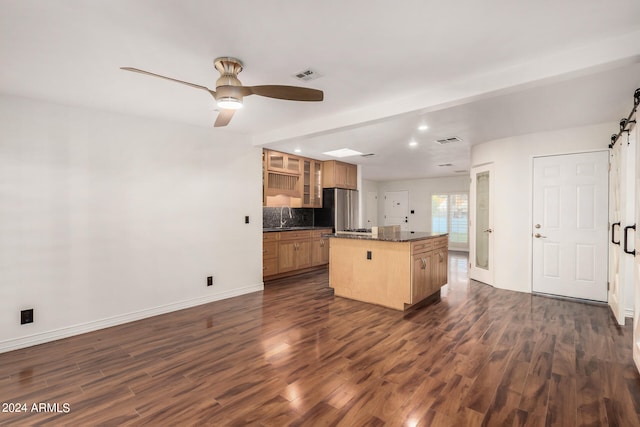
<point x="570" y="221"/>
<point x="450" y="214"/>
<point x="481" y="226"/>
<point x="371" y="211"/>
<point x="396" y="209"/>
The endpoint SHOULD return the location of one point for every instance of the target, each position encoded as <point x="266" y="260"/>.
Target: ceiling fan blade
<point x="289" y="93"/>
<point x="224" y="117"/>
<point x="135" y="70"/>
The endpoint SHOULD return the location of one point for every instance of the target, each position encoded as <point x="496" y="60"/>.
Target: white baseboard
<point x="44" y="337"/>
<point x="628" y="312"/>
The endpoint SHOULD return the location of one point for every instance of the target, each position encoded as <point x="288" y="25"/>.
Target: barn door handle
<point x="613" y="233"/>
<point x="626" y="240"/>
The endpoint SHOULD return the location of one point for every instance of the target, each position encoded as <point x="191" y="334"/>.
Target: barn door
<point x="616" y="294"/>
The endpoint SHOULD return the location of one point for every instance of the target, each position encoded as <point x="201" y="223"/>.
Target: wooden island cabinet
<point x="396" y="271"/>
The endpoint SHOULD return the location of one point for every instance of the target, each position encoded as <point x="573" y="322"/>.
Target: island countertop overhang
<point x="402" y="236"/>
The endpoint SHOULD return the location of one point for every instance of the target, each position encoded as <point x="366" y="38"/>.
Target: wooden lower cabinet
<point x="294" y="255"/>
<point x="269" y="258"/>
<point x="294" y="251"/>
<point x="440" y="265"/>
<point x="320" y="248"/>
<point x="421" y="277"/>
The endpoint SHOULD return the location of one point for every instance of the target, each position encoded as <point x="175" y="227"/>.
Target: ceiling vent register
<point x="448" y="140"/>
<point x="307" y="75"/>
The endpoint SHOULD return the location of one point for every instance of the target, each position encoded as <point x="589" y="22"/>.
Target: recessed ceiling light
<point x="297" y="150"/>
<point x="343" y="152"/>
<point x="423" y="127"/>
<point x="413" y="144"/>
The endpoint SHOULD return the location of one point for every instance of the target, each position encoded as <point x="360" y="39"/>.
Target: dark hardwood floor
<point x="296" y="355"/>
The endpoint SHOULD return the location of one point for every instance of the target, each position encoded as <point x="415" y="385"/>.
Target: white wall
<point x="513" y="172"/>
<point x="420" y="191"/>
<point x="107" y="218"/>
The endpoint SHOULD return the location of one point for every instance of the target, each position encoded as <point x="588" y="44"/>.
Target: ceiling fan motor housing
<point x="228" y="68"/>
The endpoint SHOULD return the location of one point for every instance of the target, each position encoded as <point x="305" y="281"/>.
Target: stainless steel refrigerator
<point x="339" y="209"/>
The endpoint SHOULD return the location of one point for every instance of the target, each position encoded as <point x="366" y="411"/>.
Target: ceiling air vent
<point x="306" y="75"/>
<point x="449" y="140"/>
<point x="445" y="165"/>
<point x="367" y="155"/>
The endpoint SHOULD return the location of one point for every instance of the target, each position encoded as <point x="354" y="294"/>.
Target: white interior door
<point x="396" y="209"/>
<point x="371" y="215"/>
<point x="570" y="225"/>
<point x="636" y="263"/>
<point x="481" y="224"/>
<point x="616" y="294"/>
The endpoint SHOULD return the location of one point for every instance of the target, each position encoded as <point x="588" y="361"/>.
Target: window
<point x="450" y="214"/>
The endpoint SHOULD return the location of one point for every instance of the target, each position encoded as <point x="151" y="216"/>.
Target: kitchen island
<point x="396" y="270"/>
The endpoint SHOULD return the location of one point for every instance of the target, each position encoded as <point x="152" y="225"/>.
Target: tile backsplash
<point x="301" y="217"/>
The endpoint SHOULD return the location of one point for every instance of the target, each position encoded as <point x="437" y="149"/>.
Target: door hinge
<point x="607" y="285"/>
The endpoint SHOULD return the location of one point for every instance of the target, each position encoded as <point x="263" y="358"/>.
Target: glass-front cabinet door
<point x="317" y="184"/>
<point x="311" y="183"/>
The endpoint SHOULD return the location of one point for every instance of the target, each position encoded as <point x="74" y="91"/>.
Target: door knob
<point x="539" y="236"/>
<point x="488" y="230"/>
<point x="538" y="226"/>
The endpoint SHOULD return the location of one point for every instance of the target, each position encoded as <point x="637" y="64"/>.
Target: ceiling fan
<point x="229" y="91"/>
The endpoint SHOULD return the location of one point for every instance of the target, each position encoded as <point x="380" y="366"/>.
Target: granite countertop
<point x="272" y="229"/>
<point x="402" y="236"/>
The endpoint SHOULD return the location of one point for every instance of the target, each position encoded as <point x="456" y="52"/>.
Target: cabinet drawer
<point x="440" y="242"/>
<point x="317" y="234"/>
<point x="421" y="246"/>
<point x="269" y="250"/>
<point x="271" y="237"/>
<point x="295" y="235"/>
<point x="269" y="267"/>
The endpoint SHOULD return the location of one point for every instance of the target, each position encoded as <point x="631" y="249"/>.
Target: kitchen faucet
<point x="283" y="221"/>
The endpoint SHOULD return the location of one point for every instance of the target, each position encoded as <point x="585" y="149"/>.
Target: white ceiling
<point x="476" y="70"/>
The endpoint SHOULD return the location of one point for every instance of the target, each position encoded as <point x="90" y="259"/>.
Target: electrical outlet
<point x="210" y="281"/>
<point x="26" y="316"/>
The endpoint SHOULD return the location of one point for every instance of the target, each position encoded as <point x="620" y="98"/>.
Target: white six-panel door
<point x="570" y="219"/>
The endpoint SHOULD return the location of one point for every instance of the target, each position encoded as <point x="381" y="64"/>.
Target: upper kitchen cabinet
<point x="283" y="162"/>
<point x="311" y="183"/>
<point x="337" y="174"/>
<point x="290" y="180"/>
<point x="281" y="179"/>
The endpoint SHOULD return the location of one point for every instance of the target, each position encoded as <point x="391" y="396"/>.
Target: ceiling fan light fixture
<point x="229" y="103"/>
